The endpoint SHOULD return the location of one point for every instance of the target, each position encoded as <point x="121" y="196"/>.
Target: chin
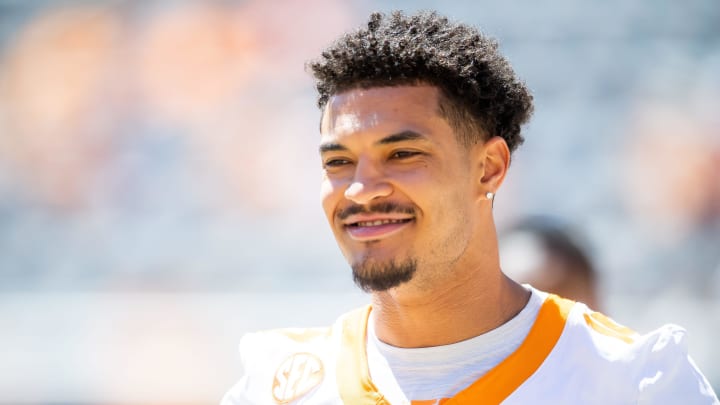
<point x="374" y="276"/>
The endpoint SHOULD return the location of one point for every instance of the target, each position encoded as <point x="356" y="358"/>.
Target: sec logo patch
<point x="296" y="376"/>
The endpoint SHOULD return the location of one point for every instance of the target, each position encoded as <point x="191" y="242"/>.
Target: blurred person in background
<point x="670" y="192"/>
<point x="56" y="84"/>
<point x="552" y="257"/>
<point x="419" y="118"/>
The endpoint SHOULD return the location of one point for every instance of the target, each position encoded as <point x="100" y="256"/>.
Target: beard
<point x="371" y="276"/>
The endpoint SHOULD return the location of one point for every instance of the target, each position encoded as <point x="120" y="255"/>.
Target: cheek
<point x="451" y="212"/>
<point x="330" y="193"/>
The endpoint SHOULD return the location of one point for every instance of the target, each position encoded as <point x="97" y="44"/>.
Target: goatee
<point x="378" y="277"/>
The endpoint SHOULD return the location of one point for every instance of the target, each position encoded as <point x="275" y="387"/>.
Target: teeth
<point x="380" y="222"/>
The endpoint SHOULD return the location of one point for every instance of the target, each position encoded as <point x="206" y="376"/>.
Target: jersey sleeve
<point x="238" y="394"/>
<point x="284" y="366"/>
<point x="235" y="396"/>
<point x="669" y="375"/>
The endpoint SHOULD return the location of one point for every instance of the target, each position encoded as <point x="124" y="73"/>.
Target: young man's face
<point x="399" y="189"/>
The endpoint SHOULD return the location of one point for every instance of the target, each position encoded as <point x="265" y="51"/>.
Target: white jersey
<point x="571" y="355"/>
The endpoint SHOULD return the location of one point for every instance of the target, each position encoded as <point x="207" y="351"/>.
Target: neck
<point x="458" y="310"/>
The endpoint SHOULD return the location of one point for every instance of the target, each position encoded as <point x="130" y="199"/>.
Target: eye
<point x="335" y="162"/>
<point x="404" y="154"/>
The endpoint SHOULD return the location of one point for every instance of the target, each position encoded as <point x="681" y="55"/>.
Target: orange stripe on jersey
<point x="353" y="376"/>
<point x="506" y="377"/>
<point x="356" y="387"/>
<point x="430" y="402"/>
<point x="606" y="326"/>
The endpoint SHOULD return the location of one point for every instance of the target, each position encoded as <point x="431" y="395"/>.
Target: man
<point x="419" y="117"/>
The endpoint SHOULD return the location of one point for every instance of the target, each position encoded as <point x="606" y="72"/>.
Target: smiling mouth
<point x="376" y="229"/>
<point x="378" y="222"/>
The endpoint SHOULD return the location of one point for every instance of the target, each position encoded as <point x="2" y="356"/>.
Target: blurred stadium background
<point x="159" y="178"/>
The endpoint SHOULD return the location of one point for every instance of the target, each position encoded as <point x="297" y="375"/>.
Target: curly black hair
<point x="480" y="94"/>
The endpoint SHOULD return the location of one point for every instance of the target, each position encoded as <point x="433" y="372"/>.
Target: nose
<point x="367" y="184"/>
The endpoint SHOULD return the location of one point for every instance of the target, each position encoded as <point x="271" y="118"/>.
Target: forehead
<point x="383" y="109"/>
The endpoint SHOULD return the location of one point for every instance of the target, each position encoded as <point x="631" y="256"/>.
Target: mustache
<point x="379" y="208"/>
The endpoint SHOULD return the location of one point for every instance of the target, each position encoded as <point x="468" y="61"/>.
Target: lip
<point x="365" y="228"/>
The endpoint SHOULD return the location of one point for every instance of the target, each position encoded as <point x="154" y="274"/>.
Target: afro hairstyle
<point x="480" y="97"/>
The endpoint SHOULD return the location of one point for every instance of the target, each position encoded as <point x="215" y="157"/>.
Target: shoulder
<point x="650" y="368"/>
<point x="266" y="346"/>
<point x="281" y="365"/>
<point x="667" y="374"/>
<point x="260" y="344"/>
<point x="592" y="331"/>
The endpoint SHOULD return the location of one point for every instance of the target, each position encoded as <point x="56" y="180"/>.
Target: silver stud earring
<point x="490" y="195"/>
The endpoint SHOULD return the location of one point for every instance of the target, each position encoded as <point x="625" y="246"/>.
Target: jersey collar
<point x="356" y="386"/>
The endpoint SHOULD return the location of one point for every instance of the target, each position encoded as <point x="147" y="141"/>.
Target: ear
<point x="493" y="162"/>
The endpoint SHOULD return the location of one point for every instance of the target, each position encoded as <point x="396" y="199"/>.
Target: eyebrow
<point x="401" y="137"/>
<point x="330" y="147"/>
<point x="394" y="138"/>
